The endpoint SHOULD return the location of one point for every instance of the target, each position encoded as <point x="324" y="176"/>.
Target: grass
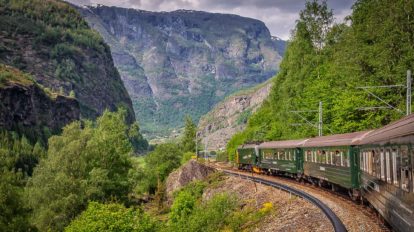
<point x="9" y="75"/>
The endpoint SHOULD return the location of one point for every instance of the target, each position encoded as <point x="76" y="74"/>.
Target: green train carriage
<point x="281" y="157"/>
<point x="333" y="160"/>
<point x="247" y="156"/>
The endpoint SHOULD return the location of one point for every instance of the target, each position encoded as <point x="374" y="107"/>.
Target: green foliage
<point x="89" y="161"/>
<point x="326" y="63"/>
<point x="66" y="70"/>
<point x="137" y="140"/>
<point x="111" y="217"/>
<point x="160" y="162"/>
<point x="187" y="156"/>
<point x="188" y="142"/>
<point x="17" y="160"/>
<point x="208" y="216"/>
<point x="242" y="119"/>
<point x="14" y="215"/>
<point x="72" y="94"/>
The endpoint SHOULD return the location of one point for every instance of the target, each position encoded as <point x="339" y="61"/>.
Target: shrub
<point x="111" y="217"/>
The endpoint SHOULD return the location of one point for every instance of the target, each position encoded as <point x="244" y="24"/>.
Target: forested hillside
<point x="327" y="62"/>
<point x="51" y="41"/>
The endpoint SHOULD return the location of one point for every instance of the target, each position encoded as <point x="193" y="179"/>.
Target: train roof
<point x="398" y="129"/>
<point x="283" y="144"/>
<point x="249" y="145"/>
<point x="347" y="139"/>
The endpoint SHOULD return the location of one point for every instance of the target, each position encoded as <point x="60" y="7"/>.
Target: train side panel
<point x="387" y="182"/>
<point x="278" y="160"/>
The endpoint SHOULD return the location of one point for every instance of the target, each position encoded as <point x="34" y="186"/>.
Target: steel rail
<point x="336" y="222"/>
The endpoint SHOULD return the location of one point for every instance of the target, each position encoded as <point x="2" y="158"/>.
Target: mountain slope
<point x="28" y="108"/>
<point x="50" y="40"/>
<point x="183" y="62"/>
<point x="230" y="116"/>
<point x="375" y="48"/>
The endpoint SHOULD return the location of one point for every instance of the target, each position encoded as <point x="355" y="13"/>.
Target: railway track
<point x="333" y="218"/>
<point x="344" y="214"/>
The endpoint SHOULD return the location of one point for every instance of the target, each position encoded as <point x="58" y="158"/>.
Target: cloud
<point x="278" y="15"/>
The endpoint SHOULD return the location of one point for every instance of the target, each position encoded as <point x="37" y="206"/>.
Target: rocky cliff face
<point x="28" y="108"/>
<point x="230" y="116"/>
<point x="50" y="40"/>
<point x="183" y="62"/>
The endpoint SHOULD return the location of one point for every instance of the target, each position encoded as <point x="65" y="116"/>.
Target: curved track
<point x="336" y="222"/>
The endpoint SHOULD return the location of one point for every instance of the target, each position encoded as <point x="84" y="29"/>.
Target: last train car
<point x="332" y="160"/>
<point x="281" y="157"/>
<point x="247" y="156"/>
<point x="387" y="170"/>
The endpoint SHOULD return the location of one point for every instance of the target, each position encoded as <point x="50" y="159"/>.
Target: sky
<point x="278" y="15"/>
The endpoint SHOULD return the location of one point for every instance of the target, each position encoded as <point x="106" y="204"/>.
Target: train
<point x="375" y="166"/>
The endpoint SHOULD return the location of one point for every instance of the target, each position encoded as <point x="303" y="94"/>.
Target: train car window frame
<point x="395" y="166"/>
<point x="379" y="170"/>
<point x="337" y="158"/>
<point x="369" y="163"/>
<point x="388" y="165"/>
<point x="383" y="178"/>
<point x="373" y="162"/>
<point x="362" y="162"/>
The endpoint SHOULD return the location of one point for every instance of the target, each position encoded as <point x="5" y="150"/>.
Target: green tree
<point x="88" y="161"/>
<point x="188" y="142"/>
<point x="137" y="140"/>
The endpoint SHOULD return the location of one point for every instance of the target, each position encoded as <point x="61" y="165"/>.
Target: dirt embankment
<point x="289" y="213"/>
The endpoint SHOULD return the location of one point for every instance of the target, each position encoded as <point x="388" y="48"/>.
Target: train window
<point x="361" y="161"/>
<point x="323" y="157"/>
<point x="395" y="164"/>
<point x="283" y="155"/>
<point x="268" y="155"/>
<point x="308" y="156"/>
<point x="369" y="162"/>
<point x="346" y="158"/>
<point x="313" y="156"/>
<point x="388" y="165"/>
<point x="378" y="160"/>
<point x="363" y="155"/>
<point x="373" y="163"/>
<point x="405" y="169"/>
<point x="382" y="165"/>
<point x="331" y="153"/>
<point x="337" y="158"/>
<point x="328" y="157"/>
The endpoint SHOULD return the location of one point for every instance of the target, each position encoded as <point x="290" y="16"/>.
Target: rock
<point x="230" y="116"/>
<point x="25" y="104"/>
<point x="184" y="62"/>
<point x="191" y="171"/>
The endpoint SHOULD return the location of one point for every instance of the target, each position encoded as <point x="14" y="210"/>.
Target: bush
<point x="111" y="217"/>
<point x="186" y="157"/>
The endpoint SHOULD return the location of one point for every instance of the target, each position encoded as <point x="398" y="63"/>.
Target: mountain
<point x="230" y="116"/>
<point x="50" y="40"/>
<point x="29" y="108"/>
<point x="183" y="62"/>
